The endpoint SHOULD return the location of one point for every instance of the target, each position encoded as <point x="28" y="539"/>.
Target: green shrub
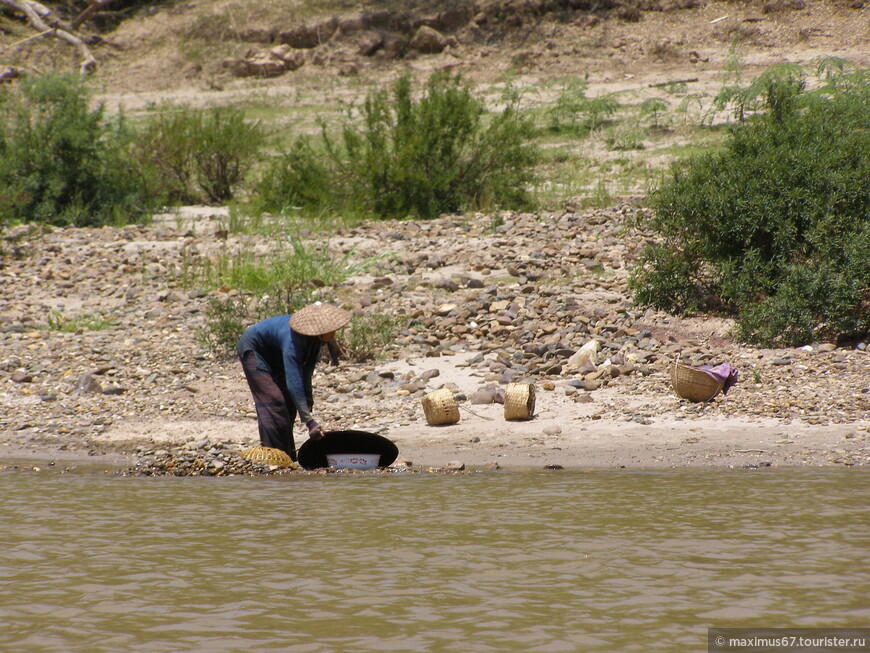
<point x="440" y="153"/>
<point x="775" y="228"/>
<point x="202" y="154"/>
<point x="63" y="163"/>
<point x="366" y="336"/>
<point x="654" y="108"/>
<point x="574" y="112"/>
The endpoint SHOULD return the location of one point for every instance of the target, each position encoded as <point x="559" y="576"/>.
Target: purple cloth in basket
<point x="723" y="373"/>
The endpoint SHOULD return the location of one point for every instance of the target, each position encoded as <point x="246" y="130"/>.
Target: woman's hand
<point x="315" y="431"/>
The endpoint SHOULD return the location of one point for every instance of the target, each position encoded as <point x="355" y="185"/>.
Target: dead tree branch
<point x="93" y="7"/>
<point x="44" y="22"/>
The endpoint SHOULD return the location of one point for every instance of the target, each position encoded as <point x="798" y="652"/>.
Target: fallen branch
<point x="41" y="19"/>
<point x="94" y="6"/>
<point x="676" y="81"/>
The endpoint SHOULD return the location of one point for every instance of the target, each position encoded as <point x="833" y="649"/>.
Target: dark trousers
<point x="275" y="410"/>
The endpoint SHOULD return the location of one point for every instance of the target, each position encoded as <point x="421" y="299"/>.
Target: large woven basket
<point x="268" y="455"/>
<point x="440" y="407"/>
<point x="519" y="401"/>
<point x="693" y="384"/>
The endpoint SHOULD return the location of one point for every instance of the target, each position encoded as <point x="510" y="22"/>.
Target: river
<point x="486" y="561"/>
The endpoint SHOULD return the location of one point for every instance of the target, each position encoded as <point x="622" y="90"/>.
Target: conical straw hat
<point x="317" y="319"/>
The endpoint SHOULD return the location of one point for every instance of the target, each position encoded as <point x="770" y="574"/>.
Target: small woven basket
<point x="693" y="384"/>
<point x="268" y="455"/>
<point x="519" y="401"/>
<point x="440" y="407"/>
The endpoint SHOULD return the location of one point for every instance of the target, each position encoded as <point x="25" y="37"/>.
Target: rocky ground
<point x="480" y="302"/>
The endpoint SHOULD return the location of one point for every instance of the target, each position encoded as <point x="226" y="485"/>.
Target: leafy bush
<point x="441" y="153"/>
<point x="63" y="163"/>
<point x="655" y="108"/>
<point x="366" y="336"/>
<point x="201" y="153"/>
<point x="574" y="112"/>
<point x="775" y="228"/>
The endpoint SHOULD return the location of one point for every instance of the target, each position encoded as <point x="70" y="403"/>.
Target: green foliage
<point x="409" y="157"/>
<point x="786" y="80"/>
<point x="90" y="322"/>
<point x="64" y="163"/>
<point x="624" y="137"/>
<point x="266" y="284"/>
<point x="225" y="320"/>
<point x="776" y="227"/>
<point x="201" y="153"/>
<point x="654" y="107"/>
<point x="292" y="265"/>
<point x="366" y="336"/>
<point x="574" y="112"/>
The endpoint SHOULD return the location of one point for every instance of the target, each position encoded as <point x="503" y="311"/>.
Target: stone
<point x="428" y="41"/>
<point x="86" y="384"/>
<point x="482" y="397"/>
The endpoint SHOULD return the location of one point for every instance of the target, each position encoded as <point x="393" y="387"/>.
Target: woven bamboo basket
<point x="693" y="384"/>
<point x="519" y="401"/>
<point x="268" y="455"/>
<point x="440" y="407"/>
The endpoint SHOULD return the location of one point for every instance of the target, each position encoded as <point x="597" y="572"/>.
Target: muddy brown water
<point x="489" y="561"/>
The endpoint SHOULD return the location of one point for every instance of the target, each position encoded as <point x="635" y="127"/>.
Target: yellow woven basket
<point x="440" y="407"/>
<point x="268" y="455"/>
<point x="519" y="401"/>
<point x="693" y="384"/>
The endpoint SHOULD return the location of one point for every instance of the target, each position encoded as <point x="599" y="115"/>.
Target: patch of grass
<point x="260" y="285"/>
<point x="294" y="265"/>
<point x="625" y="137"/>
<point x="86" y="322"/>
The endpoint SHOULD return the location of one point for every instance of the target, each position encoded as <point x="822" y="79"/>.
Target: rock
<point x="86" y="384"/>
<point x="309" y="36"/>
<point x="271" y="64"/>
<point x="428" y="41"/>
<point x="370" y="43"/>
<point x="482" y="397"/>
<point x="21" y="377"/>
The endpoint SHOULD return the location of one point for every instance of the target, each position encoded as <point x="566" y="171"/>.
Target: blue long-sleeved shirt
<point x="285" y="353"/>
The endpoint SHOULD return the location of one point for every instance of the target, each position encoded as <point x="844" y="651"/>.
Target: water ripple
<point x="633" y="561"/>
